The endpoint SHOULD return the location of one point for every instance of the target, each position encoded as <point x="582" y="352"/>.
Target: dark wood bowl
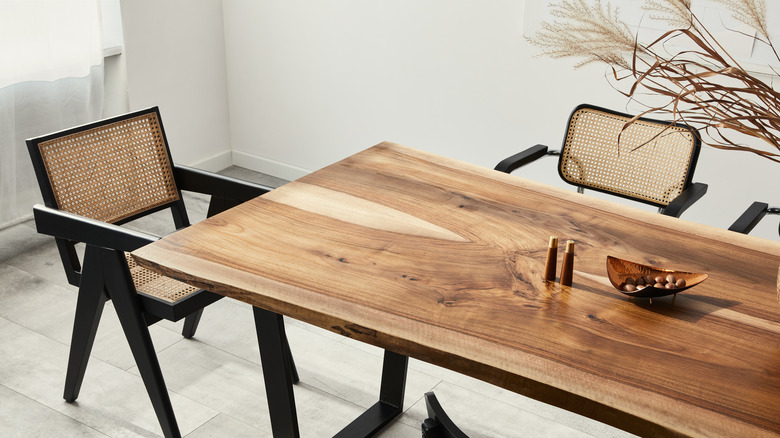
<point x="618" y="270"/>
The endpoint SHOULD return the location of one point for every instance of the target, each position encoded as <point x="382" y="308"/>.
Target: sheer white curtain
<point x="51" y="78"/>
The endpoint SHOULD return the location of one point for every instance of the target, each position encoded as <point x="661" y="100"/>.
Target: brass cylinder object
<point x="567" y="269"/>
<point x="552" y="260"/>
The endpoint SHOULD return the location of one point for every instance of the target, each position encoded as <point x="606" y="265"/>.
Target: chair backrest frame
<point x="109" y="131"/>
<point x="613" y="164"/>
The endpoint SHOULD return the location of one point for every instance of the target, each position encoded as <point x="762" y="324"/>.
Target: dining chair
<point x="438" y="424"/>
<point x="95" y="178"/>
<point x="642" y="159"/>
<point x="752" y="216"/>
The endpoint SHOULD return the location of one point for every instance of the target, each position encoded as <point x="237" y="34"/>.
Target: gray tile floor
<point x="215" y="379"/>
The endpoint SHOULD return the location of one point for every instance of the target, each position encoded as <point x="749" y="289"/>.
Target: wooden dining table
<point x="440" y="260"/>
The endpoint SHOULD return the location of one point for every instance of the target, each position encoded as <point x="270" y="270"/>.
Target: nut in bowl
<point x="643" y="281"/>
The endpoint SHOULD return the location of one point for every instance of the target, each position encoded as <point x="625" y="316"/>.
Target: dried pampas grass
<point x="704" y="86"/>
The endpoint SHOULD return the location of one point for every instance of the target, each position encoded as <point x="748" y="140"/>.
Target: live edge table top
<point x="442" y="261"/>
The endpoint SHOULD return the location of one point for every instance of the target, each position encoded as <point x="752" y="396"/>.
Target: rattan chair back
<point x="647" y="160"/>
<point x="108" y="171"/>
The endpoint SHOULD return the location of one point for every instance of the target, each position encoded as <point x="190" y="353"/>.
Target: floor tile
<point x="37" y="304"/>
<point x="196" y="203"/>
<point x="226" y="426"/>
<point x="20" y="238"/>
<point x="112" y="401"/>
<point x="44" y="261"/>
<point x="21" y="417"/>
<point x="399" y="429"/>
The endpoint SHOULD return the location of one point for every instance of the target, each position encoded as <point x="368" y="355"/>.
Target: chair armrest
<point x="519" y="159"/>
<point x="82" y="229"/>
<point x="201" y="181"/>
<point x="750" y="218"/>
<point x="688" y="197"/>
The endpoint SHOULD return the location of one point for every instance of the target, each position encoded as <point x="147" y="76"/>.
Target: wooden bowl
<point x="618" y="270"/>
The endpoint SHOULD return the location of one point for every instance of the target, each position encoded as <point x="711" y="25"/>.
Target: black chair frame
<point x="691" y="193"/>
<point x="752" y="216"/>
<point x="438" y="424"/>
<point x="104" y="273"/>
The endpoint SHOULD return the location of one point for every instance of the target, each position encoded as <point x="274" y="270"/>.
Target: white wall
<point x="175" y="56"/>
<point x="311" y="82"/>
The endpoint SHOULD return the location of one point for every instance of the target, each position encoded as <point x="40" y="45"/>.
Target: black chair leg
<point x="438" y="424"/>
<point x="120" y="288"/>
<point x="89" y="308"/>
<point x="191" y="324"/>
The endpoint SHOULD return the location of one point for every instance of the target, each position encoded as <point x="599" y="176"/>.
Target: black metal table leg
<point x="275" y="358"/>
<point x="278" y="376"/>
<point x="391" y="399"/>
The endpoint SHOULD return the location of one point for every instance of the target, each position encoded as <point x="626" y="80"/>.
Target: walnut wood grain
<point x="443" y="261"/>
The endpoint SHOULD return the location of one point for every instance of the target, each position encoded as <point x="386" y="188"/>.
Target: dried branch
<point x="703" y="86"/>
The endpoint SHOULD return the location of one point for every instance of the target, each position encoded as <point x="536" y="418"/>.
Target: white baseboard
<point x="215" y="163"/>
<point x="268" y="166"/>
<point x="225" y="159"/>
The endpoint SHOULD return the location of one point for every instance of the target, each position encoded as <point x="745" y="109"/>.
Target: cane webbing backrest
<point x="156" y="285"/>
<point x="649" y="160"/>
<point x="112" y="171"/>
